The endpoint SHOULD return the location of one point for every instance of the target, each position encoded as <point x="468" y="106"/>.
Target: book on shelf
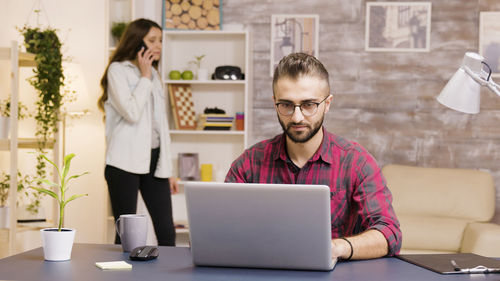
<point x="221" y="127"/>
<point x="215" y="122"/>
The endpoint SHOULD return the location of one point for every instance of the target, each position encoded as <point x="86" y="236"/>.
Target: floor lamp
<point x="462" y="92"/>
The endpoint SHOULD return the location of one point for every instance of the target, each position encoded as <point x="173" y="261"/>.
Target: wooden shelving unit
<point x="25" y="143"/>
<point x="14" y="143"/>
<point x="218" y="148"/>
<point x="220" y="48"/>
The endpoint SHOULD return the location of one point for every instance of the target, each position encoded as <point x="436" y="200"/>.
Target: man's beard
<point x="301" y="137"/>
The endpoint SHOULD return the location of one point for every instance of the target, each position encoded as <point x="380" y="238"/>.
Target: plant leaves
<point x="66" y="165"/>
<point x="47" y="182"/>
<point x="73" y="177"/>
<point x="73" y="198"/>
<point x="53" y="164"/>
<point x="46" y="191"/>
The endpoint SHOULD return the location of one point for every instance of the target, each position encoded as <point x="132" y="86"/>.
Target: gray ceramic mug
<point x="133" y="231"/>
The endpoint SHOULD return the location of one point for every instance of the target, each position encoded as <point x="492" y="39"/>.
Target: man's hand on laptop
<point x="369" y="244"/>
<point x="340" y="249"/>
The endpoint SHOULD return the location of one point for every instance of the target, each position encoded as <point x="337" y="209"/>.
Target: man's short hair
<point x="296" y="65"/>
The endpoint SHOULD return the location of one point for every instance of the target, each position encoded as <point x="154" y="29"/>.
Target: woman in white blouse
<point x="137" y="139"/>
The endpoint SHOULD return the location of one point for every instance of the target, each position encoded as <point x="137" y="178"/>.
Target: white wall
<point x="80" y="26"/>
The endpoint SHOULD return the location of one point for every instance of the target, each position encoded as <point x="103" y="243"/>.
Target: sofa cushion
<point x="432" y="233"/>
<point x="421" y="252"/>
<point x="482" y="239"/>
<point x="456" y="193"/>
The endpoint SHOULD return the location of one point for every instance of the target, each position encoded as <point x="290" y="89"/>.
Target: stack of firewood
<point x="192" y="14"/>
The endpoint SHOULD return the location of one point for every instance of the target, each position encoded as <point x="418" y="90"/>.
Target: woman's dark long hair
<point x="127" y="50"/>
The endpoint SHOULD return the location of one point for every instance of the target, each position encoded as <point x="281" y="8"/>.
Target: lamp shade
<point x="462" y="92"/>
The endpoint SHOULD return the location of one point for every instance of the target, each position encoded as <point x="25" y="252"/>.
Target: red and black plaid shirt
<point x="360" y="199"/>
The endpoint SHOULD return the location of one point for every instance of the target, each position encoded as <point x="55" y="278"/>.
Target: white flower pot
<point x="57" y="245"/>
<point x="4" y="127"/>
<point x="4" y="217"/>
<point x="202" y="74"/>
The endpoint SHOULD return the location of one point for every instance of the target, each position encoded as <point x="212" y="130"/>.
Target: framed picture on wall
<point x="189" y="169"/>
<point x="489" y="40"/>
<point x="192" y="15"/>
<point x="291" y="34"/>
<point x="398" y="26"/>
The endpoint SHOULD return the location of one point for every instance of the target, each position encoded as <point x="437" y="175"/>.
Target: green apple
<point x="174" y="75"/>
<point x="187" y="75"/>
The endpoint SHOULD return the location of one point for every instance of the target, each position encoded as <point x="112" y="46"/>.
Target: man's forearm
<point x="367" y="245"/>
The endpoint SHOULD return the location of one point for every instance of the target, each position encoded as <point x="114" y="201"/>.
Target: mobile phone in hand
<point x="141" y="45"/>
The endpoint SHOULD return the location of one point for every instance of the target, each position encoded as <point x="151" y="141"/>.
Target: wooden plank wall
<point x="385" y="101"/>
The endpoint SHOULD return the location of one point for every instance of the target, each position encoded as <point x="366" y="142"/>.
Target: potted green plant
<point x="117" y="29"/>
<point x="201" y="73"/>
<point x="4" y="119"/>
<point x="58" y="242"/>
<point x="4" y="195"/>
<point x="5" y="116"/>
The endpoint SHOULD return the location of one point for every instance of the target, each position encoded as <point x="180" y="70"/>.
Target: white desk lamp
<point x="461" y="93"/>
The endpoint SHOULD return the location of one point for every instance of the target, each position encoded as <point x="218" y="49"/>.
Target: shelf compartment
<point x="210" y="33"/>
<point x="206" y="82"/>
<point x="207" y="132"/>
<point x="25" y="59"/>
<point x="219" y="47"/>
<point x="25" y="143"/>
<point x="34" y="226"/>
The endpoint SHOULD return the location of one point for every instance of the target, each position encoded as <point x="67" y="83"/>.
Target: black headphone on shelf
<point x="228" y="72"/>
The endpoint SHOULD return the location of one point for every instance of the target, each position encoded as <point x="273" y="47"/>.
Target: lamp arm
<point x="493" y="87"/>
<point x="475" y="76"/>
<point x="490" y="84"/>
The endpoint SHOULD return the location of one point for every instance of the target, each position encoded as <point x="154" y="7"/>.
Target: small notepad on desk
<point x="113" y="265"/>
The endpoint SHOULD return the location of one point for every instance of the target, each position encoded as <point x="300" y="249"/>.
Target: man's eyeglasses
<point x="307" y="108"/>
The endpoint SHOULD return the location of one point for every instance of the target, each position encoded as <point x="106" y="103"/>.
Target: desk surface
<point x="175" y="264"/>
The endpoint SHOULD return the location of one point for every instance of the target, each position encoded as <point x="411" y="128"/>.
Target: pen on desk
<point x="455" y="265"/>
<point x="477" y="269"/>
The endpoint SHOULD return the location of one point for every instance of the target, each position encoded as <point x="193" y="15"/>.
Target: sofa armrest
<point x="482" y="239"/>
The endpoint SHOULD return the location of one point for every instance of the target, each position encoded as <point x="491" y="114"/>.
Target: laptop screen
<point x="260" y="225"/>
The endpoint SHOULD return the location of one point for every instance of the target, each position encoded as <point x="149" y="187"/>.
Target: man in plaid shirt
<point x="364" y="224"/>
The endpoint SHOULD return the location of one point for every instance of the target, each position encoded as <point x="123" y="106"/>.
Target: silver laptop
<point x="260" y="225"/>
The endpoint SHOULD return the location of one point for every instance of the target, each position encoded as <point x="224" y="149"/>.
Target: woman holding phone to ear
<point x="137" y="138"/>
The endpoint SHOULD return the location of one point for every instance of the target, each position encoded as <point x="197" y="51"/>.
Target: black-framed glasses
<point x="307" y="108"/>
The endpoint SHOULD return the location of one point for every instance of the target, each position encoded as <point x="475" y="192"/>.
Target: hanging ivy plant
<point x="48" y="81"/>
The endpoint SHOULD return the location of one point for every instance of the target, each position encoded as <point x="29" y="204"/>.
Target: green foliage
<point x="4" y="188"/>
<point x="61" y="187"/>
<point x="117" y="29"/>
<point x="5" y="185"/>
<point x="22" y="110"/>
<point x="48" y="81"/>
<point x="197" y="61"/>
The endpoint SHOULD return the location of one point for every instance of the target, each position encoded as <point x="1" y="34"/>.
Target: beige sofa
<point x="444" y="210"/>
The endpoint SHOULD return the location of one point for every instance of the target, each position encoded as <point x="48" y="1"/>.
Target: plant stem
<point x="61" y="202"/>
<point x="61" y="217"/>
